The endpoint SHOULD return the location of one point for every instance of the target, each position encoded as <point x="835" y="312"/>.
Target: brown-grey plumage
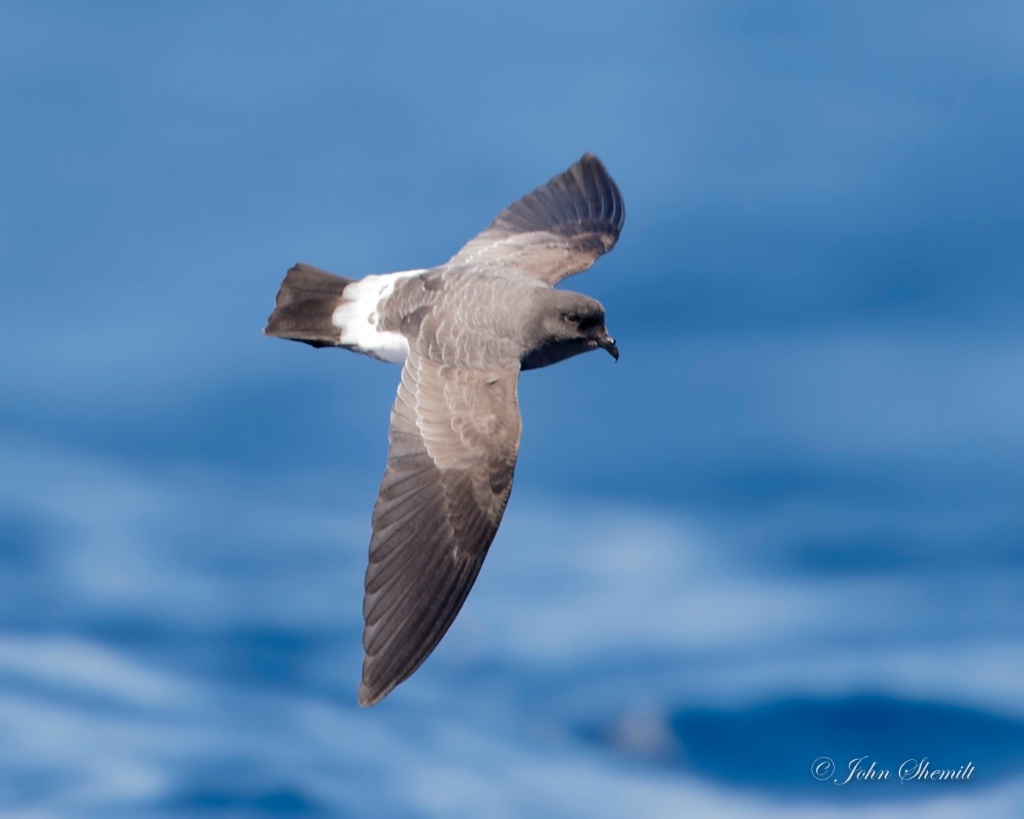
<point x="466" y="330"/>
<point x="555" y="231"/>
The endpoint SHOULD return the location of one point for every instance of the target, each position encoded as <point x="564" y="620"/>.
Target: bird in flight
<point x="463" y="330"/>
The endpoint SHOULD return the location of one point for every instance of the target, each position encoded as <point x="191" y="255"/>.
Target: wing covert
<point x="557" y="230"/>
<point x="454" y="441"/>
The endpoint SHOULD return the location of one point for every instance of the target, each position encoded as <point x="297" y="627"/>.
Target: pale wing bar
<point x="454" y="441"/>
<point x="557" y="230"/>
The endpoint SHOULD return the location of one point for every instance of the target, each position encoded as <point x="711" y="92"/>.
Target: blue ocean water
<point x="776" y="547"/>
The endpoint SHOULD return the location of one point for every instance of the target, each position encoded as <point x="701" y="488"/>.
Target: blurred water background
<point x="787" y="525"/>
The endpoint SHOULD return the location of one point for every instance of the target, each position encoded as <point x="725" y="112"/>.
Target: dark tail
<point x="305" y="304"/>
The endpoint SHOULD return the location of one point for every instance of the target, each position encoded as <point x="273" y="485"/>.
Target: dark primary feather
<point x="555" y="231"/>
<point x="454" y="440"/>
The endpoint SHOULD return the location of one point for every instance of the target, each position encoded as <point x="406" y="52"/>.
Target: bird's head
<point x="566" y="324"/>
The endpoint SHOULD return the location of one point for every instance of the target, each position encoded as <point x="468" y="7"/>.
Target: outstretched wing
<point x="454" y="441"/>
<point x="558" y="230"/>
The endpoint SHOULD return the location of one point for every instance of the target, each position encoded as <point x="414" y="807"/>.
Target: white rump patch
<point x="358" y="321"/>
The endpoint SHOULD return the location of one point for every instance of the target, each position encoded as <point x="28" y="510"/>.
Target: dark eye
<point x="573" y="317"/>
